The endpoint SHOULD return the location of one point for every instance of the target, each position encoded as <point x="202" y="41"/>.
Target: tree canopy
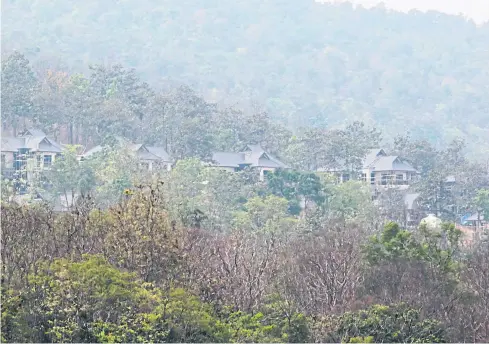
<point x="307" y="63"/>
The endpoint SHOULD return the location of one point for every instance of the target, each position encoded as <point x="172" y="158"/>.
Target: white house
<point x="29" y="152"/>
<point x="150" y="157"/>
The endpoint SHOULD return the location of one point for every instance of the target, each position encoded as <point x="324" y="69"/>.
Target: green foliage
<point x="68" y="176"/>
<point x="369" y="339"/>
<point x="393" y="243"/>
<point x="296" y="187"/>
<point x="276" y="322"/>
<point x="214" y="193"/>
<point x="340" y="64"/>
<point x="389" y="324"/>
<point x="269" y="214"/>
<point x="90" y="301"/>
<point x="350" y="200"/>
<point x="18" y="88"/>
<point x="481" y="201"/>
<point x="397" y="244"/>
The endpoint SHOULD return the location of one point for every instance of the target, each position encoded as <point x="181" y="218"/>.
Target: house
<point x="150" y="157"/>
<point x="27" y="154"/>
<point x="474" y="228"/>
<point x="253" y="156"/>
<point x="380" y="170"/>
<point x="476" y="221"/>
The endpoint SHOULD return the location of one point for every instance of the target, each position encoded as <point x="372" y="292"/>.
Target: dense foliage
<point x="199" y="254"/>
<point x="308" y="63"/>
<point x="146" y="270"/>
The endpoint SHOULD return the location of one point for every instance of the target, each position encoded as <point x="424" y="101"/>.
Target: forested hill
<point x="310" y="63"/>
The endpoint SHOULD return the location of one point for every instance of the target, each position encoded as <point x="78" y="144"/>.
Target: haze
<point x="477" y="10"/>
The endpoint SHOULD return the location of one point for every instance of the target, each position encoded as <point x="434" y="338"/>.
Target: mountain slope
<point x="309" y="63"/>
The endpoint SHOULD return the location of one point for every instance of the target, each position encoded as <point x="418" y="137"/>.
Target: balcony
<point x="388" y="182"/>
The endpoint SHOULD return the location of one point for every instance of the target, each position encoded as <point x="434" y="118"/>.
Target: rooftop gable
<point x="33" y="143"/>
<point x="12" y="144"/>
<point x="391" y="163"/>
<point x="372" y="155"/>
<point x="159" y="152"/>
<point x="32" y="132"/>
<point x="226" y="159"/>
<point x="252" y="155"/>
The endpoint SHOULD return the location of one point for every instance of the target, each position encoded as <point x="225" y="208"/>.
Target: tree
<point x="91" y="301"/>
<point x="481" y="201"/>
<point x="351" y="201"/>
<point x="418" y="268"/>
<point x="385" y="80"/>
<point x="182" y="122"/>
<point x="111" y="179"/>
<point x="18" y="88"/>
<point x="394" y="324"/>
<point x="296" y="187"/>
<point x="69" y="177"/>
<point x="392" y="206"/>
<point x="269" y="214"/>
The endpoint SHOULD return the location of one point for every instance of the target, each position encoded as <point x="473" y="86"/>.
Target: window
<point x="372" y="178"/>
<point x="399" y="178"/>
<point x="20" y="161"/>
<point x="48" y="160"/>
<point x="38" y="161"/>
<point x="346" y="177"/>
<point x="364" y="177"/>
<point x="3" y="159"/>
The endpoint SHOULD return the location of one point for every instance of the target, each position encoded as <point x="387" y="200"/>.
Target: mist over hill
<point x="309" y="64"/>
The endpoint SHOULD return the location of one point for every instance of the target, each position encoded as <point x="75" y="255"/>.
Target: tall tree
<point x="19" y="85"/>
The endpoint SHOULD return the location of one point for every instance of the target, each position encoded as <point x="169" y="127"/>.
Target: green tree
<point x="269" y="214"/>
<point x="389" y="324"/>
<point x="91" y="301"/>
<point x="19" y="85"/>
<point x="68" y="177"/>
<point x="350" y="201"/>
<point x="481" y="201"/>
<point x="420" y="268"/>
<point x="296" y="187"/>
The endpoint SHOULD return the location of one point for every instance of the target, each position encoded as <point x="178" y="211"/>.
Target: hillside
<point x="310" y="64"/>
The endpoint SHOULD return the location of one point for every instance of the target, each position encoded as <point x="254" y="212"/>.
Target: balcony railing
<point x="392" y="182"/>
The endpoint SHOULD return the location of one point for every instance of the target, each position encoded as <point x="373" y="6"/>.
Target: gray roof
<point x="372" y="155"/>
<point x="12" y="144"/>
<point x="409" y="200"/>
<point x="92" y="151"/>
<point x="226" y="159"/>
<point x="475" y="217"/>
<point x="390" y="163"/>
<point x="252" y="155"/>
<point x="33" y="132"/>
<point x="143" y="152"/>
<point x="33" y="143"/>
<point x="159" y="152"/>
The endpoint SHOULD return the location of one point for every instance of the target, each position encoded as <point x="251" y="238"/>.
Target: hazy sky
<point x="478" y="10"/>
